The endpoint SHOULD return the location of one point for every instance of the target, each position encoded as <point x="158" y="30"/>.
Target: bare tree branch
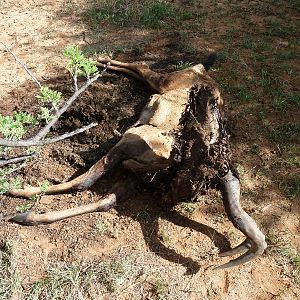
<point x="44" y="131"/>
<point x="33" y="142"/>
<point x="37" y="139"/>
<point x="23" y="65"/>
<point x="14" y="160"/>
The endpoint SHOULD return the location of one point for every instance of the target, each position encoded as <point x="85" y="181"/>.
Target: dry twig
<point x="14" y="160"/>
<point x="39" y="138"/>
<point x="22" y="64"/>
<point x="39" y="142"/>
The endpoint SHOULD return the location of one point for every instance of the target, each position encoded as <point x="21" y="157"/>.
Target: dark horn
<point x="255" y="242"/>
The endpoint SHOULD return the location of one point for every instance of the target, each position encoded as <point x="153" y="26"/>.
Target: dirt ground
<point x="169" y="255"/>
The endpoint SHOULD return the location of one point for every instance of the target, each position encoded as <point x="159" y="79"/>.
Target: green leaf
<point x="45" y="115"/>
<point x="14" y="127"/>
<point x="23" y="207"/>
<point x="78" y="64"/>
<point x="50" y="96"/>
<point x="44" y="186"/>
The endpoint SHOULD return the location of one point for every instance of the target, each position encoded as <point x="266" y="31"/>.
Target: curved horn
<point x="255" y="242"/>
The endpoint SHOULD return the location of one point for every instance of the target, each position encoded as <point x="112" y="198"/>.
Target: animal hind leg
<point x="120" y="69"/>
<point x="161" y="83"/>
<point x="140" y="71"/>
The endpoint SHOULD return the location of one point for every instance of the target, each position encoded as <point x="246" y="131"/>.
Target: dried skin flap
<point x="201" y="153"/>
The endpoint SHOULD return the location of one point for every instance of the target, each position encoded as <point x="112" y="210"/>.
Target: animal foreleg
<point x="81" y="182"/>
<point x="117" y="192"/>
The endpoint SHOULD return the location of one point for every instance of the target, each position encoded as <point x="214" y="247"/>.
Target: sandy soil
<point x="180" y="250"/>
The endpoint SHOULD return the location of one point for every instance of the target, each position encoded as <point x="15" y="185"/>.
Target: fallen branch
<point x="34" y="142"/>
<point x="44" y="131"/>
<point x="39" y="138"/>
<point x="14" y="160"/>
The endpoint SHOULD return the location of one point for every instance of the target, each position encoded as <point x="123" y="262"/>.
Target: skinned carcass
<point x="181" y="135"/>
